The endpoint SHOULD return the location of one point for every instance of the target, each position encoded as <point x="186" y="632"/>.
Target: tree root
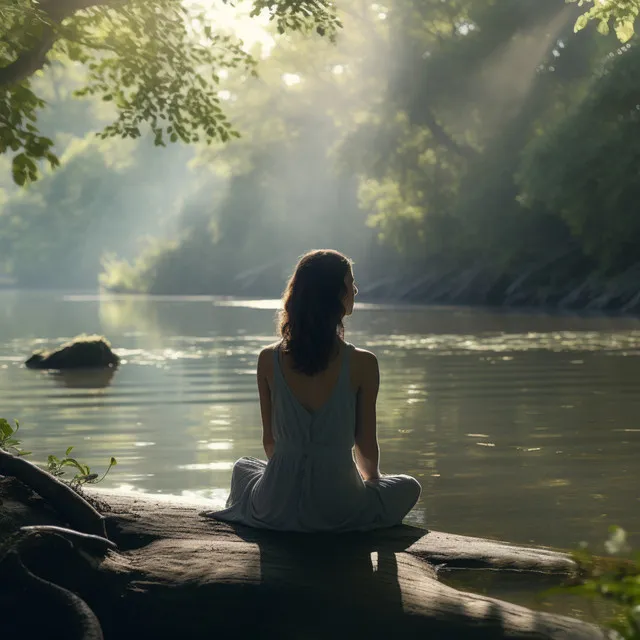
<point x="56" y="608"/>
<point x="71" y="506"/>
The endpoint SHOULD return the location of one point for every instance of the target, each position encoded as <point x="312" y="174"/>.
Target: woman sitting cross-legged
<point x="318" y="404"/>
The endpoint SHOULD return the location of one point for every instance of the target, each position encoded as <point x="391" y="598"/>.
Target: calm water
<point x="522" y="427"/>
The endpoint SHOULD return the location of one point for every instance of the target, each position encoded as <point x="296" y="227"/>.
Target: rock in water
<point x="83" y="352"/>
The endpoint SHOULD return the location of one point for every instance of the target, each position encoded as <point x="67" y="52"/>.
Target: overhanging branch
<point x="30" y="61"/>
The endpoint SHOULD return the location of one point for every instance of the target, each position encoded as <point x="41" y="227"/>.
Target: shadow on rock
<point x="333" y="585"/>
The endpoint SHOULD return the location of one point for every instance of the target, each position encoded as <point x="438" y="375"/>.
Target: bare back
<point x="314" y="391"/>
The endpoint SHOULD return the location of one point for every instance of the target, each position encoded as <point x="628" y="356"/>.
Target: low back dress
<point x="311" y="482"/>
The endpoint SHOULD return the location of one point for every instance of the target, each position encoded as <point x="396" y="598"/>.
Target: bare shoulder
<point x="365" y="359"/>
<point x="269" y="350"/>
<point x="365" y="372"/>
<point x="265" y="359"/>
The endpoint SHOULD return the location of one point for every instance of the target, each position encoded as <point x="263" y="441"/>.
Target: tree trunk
<point x="35" y="57"/>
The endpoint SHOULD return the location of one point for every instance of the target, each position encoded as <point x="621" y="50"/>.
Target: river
<point x="519" y="426"/>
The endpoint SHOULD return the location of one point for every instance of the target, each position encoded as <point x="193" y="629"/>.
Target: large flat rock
<point x="141" y="517"/>
<point x="179" y="573"/>
<point x="338" y="585"/>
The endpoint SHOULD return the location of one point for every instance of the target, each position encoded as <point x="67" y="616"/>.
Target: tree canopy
<point x="487" y="138"/>
<point x="158" y="62"/>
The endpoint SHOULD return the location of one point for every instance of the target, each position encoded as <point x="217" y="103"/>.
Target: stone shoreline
<point x="564" y="281"/>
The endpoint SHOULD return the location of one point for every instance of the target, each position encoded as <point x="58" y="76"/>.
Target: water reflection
<point x="522" y="427"/>
<point x="84" y="378"/>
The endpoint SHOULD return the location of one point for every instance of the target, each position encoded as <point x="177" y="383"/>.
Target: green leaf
<point x="5" y="428"/>
<point x="603" y="27"/>
<point x="53" y="160"/>
<point x="624" y="30"/>
<point x="68" y="451"/>
<point x="581" y="23"/>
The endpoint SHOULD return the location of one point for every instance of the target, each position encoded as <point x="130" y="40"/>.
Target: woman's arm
<point x="367" y="449"/>
<point x="264" y="391"/>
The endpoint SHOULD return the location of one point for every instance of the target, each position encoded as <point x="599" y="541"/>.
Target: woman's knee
<point x="239" y="465"/>
<point x="247" y="462"/>
<point x="241" y="468"/>
<point x="414" y="489"/>
<point x="403" y="493"/>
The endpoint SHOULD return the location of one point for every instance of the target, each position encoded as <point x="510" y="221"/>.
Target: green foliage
<point x="476" y="82"/>
<point x="616" y="580"/>
<point x="155" y="69"/>
<point x="57" y="467"/>
<point x="300" y="15"/>
<point x="584" y="168"/>
<point x="426" y="131"/>
<point x="105" y="196"/>
<point x="8" y="440"/>
<point x="138" y="276"/>
<point x="622" y="13"/>
<point x="19" y="133"/>
<point x="279" y="185"/>
<point x="470" y="133"/>
<point x="158" y="63"/>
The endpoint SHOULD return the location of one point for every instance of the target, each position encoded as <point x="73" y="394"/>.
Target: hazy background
<point x="477" y="141"/>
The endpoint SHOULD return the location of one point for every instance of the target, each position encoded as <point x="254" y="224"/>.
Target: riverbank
<point x="562" y="281"/>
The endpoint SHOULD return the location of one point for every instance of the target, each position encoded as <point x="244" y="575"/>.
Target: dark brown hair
<point x="313" y="309"/>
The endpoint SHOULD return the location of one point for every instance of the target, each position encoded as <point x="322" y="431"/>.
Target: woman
<point x="318" y="405"/>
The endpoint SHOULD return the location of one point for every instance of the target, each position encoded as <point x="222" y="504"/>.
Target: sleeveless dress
<point x="311" y="482"/>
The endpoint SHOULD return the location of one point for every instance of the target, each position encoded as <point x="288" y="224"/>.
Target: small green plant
<point x="8" y="440"/>
<point x="614" y="579"/>
<point x="55" y="466"/>
<point x="58" y="466"/>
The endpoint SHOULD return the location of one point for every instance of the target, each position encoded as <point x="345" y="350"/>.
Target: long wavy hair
<point x="313" y="308"/>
